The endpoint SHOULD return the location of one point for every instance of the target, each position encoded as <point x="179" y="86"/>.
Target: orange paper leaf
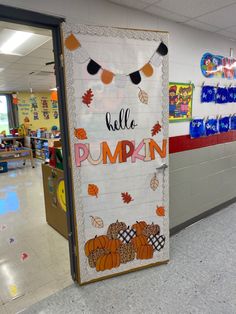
<point x="71" y="42"/>
<point x="160" y="211"/>
<point x="93" y="190"/>
<point x="80" y="134"/>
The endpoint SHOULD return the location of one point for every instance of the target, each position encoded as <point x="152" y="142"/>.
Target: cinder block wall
<point x="201" y="179"/>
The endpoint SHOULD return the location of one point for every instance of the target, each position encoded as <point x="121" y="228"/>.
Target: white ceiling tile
<point x="202" y="26"/>
<point x="223" y="18"/>
<point x="8" y="58"/>
<point x="33" y="60"/>
<point x="232" y="29"/>
<point x="227" y="34"/>
<point x="155" y="10"/>
<point x="42" y="53"/>
<point x="193" y="8"/>
<point x="136" y="4"/>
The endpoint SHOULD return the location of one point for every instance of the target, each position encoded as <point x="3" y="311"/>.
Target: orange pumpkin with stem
<point x="108" y="261"/>
<point x="145" y="252"/>
<point x="113" y="244"/>
<point x="139" y="241"/>
<point x="99" y="242"/>
<point x="139" y="226"/>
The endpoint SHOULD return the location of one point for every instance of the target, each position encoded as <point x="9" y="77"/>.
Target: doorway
<point x="35" y="260"/>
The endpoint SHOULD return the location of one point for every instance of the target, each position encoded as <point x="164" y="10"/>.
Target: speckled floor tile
<point x="199" y="279"/>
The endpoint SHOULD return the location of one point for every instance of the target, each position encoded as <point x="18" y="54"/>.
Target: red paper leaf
<point x="156" y="129"/>
<point x="127" y="198"/>
<point x="87" y="98"/>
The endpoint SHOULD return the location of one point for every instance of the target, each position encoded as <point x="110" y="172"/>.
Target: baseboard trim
<point x="207" y="213"/>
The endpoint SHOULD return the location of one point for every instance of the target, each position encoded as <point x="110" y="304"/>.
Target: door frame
<point x="31" y="18"/>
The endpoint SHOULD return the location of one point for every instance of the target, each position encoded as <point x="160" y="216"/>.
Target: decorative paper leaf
<point x="80" y="134"/>
<point x="87" y="98"/>
<point x="143" y="96"/>
<point x="96" y="222"/>
<point x="127" y="198"/>
<point x="24" y="256"/>
<point x="93" y="190"/>
<point x="160" y="211"/>
<point x="154" y="182"/>
<point x="156" y="128"/>
<point x="71" y="42"/>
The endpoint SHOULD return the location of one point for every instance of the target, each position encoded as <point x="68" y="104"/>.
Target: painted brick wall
<point x="201" y="179"/>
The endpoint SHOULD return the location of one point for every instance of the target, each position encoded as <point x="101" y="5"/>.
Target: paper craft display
<point x="233" y="122"/>
<point x="221" y="96"/>
<point x="224" y="124"/>
<point x="207" y="94"/>
<point x="180" y="101"/>
<point x="211" y="126"/>
<point x="117" y="84"/>
<point x="218" y="66"/>
<point x="197" y="128"/>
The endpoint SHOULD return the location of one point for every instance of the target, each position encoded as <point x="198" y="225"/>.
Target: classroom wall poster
<point x="180" y="102"/>
<point x="117" y="96"/>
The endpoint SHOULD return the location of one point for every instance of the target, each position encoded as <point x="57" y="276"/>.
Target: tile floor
<point x="23" y="229"/>
<point x="200" y="278"/>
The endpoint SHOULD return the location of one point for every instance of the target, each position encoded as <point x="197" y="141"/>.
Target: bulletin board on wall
<point x="117" y="102"/>
<point x="38" y="109"/>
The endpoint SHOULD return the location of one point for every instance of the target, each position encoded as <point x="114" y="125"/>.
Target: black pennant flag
<point x="162" y="49"/>
<point x="135" y="77"/>
<point x="93" y="67"/>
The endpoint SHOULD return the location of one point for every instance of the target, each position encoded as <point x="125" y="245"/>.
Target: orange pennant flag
<point x="107" y="76"/>
<point x="147" y="70"/>
<point x="72" y="43"/>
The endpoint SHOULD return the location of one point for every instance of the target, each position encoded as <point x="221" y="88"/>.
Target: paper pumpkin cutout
<point x="127" y="235"/>
<point x="107" y="76"/>
<point x="152" y="229"/>
<point x="158" y="242"/>
<point x="93" y="190"/>
<point x="95" y="243"/>
<point x="147" y="70"/>
<point x="93" y="67"/>
<point x="113" y="244"/>
<point x="114" y="229"/>
<point x="108" y="261"/>
<point x="94" y="256"/>
<point x="127" y="253"/>
<point x="71" y="42"/>
<point x="135" y="77"/>
<point x="145" y="252"/>
<point x="139" y="226"/>
<point x="162" y="49"/>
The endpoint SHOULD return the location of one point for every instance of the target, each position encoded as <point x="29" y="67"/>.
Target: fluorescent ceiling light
<point x="16" y="40"/>
<point x="20" y="43"/>
<point x="54" y="88"/>
<point x="1" y="69"/>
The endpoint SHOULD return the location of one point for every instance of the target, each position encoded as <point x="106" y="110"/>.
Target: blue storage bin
<point x="3" y="167"/>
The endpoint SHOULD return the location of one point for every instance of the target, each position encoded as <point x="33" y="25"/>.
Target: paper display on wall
<point x="117" y="93"/>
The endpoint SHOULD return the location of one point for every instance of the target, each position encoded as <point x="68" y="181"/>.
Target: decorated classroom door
<point x="117" y="100"/>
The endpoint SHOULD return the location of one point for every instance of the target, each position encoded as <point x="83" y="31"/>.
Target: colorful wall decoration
<point x="38" y="109"/>
<point x="218" y="66"/>
<point x="180" y="101"/>
<point x="117" y="82"/>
